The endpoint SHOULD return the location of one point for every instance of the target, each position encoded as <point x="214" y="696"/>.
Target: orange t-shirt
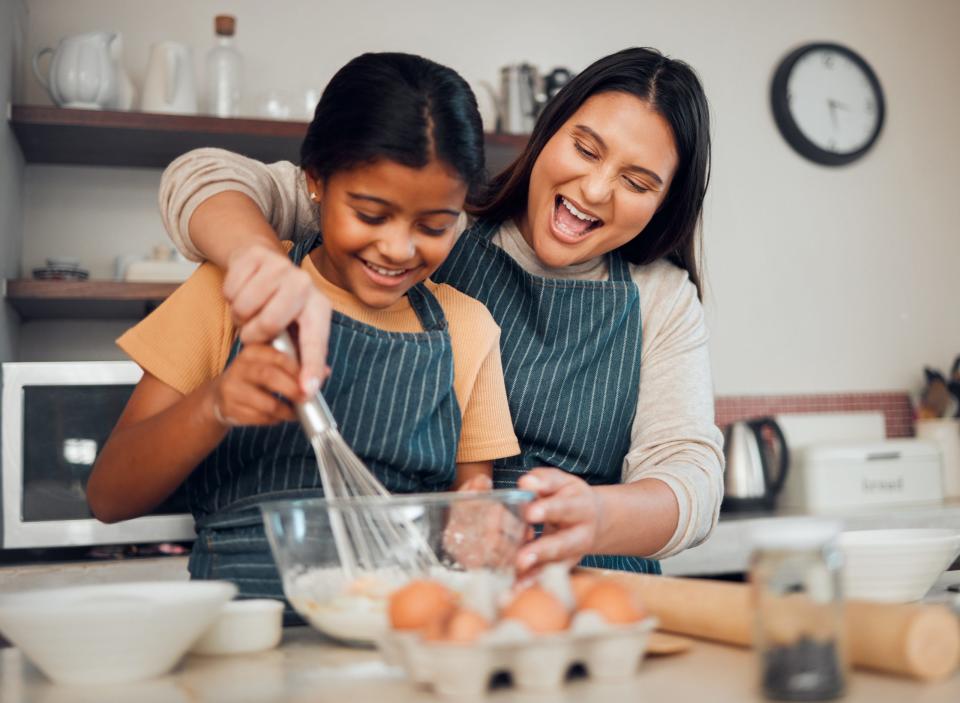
<point x="186" y="341"/>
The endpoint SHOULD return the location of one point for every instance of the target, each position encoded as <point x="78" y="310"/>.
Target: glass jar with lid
<point x="795" y="572"/>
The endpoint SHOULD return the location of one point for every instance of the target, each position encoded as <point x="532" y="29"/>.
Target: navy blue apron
<point x="393" y="398"/>
<point x="571" y="362"/>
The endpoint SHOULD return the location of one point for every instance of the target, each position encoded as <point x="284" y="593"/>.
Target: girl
<point x="584" y="250"/>
<point x="416" y="385"/>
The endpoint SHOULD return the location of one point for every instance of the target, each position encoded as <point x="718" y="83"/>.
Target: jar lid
<point x="225" y="25"/>
<point x="795" y="533"/>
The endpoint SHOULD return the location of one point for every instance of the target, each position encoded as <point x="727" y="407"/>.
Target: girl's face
<point x="599" y="179"/>
<point x="386" y="227"/>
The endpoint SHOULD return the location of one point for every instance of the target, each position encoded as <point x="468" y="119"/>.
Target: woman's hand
<point x="244" y="394"/>
<point x="267" y="293"/>
<point x="569" y="509"/>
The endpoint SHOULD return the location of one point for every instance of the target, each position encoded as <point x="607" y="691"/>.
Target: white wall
<point x="819" y="279"/>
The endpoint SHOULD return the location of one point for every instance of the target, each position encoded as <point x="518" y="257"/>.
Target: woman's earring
<point x="313" y="197"/>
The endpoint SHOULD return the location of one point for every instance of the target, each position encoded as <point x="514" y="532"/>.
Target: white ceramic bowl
<point x="111" y="633"/>
<point x="243" y="626"/>
<point x="896" y="566"/>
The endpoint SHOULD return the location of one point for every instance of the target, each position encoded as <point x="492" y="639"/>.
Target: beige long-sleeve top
<point x="673" y="437"/>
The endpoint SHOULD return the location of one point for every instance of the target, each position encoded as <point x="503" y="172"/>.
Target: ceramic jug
<point x="169" y="85"/>
<point x="82" y="72"/>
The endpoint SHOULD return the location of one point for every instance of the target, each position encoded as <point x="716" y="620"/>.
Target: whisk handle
<point x="314" y="413"/>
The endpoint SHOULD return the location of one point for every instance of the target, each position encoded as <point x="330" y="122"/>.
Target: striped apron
<point x="571" y="362"/>
<point x="392" y="396"/>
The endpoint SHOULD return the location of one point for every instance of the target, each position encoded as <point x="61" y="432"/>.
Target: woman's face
<point x="599" y="179"/>
<point x="386" y="227"/>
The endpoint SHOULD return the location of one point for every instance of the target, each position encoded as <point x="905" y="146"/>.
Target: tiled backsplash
<point x="896" y="407"/>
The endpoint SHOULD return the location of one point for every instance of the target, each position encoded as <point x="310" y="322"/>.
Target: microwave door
<point x="56" y="418"/>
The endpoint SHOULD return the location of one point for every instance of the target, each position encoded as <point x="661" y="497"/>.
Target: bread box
<point x="833" y="475"/>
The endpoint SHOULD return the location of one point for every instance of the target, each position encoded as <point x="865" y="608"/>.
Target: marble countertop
<point x="308" y="668"/>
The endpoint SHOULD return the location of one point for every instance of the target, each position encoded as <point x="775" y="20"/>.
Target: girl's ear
<point x="314" y="187"/>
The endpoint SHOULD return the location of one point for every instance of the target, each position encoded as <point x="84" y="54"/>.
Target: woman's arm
<point x="162" y="435"/>
<point x="233" y="210"/>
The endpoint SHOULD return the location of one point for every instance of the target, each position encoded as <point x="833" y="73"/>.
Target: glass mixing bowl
<point x="466" y="540"/>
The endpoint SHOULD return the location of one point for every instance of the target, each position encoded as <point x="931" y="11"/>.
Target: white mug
<point x="169" y="85"/>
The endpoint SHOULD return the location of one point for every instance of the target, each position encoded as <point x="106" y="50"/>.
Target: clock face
<point x="828" y="103"/>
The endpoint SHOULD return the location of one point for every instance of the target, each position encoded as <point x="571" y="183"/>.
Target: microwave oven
<point x="55" y="417"/>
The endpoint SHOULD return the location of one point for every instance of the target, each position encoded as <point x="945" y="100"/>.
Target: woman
<point x="584" y="250"/>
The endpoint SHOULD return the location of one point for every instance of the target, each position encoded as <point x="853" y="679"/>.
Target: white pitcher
<point x="82" y="72"/>
<point x="169" y="85"/>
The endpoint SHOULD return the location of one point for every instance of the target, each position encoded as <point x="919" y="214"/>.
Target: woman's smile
<point x="571" y="221"/>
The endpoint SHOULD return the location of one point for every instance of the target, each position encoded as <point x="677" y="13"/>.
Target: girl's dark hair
<point x="672" y="89"/>
<point x="400" y="107"/>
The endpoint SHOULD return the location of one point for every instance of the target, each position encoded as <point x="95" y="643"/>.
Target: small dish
<point x="243" y="626"/>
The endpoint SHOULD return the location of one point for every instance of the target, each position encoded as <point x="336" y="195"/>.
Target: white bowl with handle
<point x="111" y="633"/>
<point x="896" y="566"/>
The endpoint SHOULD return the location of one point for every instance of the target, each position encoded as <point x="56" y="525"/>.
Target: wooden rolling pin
<point x="921" y="641"/>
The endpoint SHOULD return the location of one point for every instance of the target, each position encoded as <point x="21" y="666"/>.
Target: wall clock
<point x="827" y="103"/>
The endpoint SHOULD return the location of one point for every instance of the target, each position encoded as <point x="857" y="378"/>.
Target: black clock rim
<point x="788" y="127"/>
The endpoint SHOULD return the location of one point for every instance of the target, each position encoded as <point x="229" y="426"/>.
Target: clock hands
<point x="833" y="105"/>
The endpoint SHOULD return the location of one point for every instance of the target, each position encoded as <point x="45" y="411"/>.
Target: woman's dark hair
<point x="400" y="107"/>
<point x="672" y="89"/>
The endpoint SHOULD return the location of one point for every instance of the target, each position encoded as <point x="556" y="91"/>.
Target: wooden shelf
<point x="98" y="300"/>
<point x="53" y="135"/>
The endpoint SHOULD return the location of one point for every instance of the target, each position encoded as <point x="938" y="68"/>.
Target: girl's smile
<point x="386" y="227"/>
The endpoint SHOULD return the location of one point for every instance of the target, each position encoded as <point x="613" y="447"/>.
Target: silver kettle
<point x="757" y="461"/>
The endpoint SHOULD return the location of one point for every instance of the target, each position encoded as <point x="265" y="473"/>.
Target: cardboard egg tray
<point x="535" y="662"/>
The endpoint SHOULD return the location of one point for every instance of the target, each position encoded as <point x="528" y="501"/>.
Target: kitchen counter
<point x="728" y="548"/>
<point x="310" y="668"/>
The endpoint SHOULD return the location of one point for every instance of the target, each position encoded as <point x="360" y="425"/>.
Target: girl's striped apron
<point x="571" y="361"/>
<point x="392" y="395"/>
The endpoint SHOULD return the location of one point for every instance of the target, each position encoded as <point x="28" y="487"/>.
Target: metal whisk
<point x="371" y="537"/>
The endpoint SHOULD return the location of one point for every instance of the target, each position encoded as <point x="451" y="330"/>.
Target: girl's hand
<point x="267" y="292"/>
<point x="569" y="509"/>
<point x="481" y="534"/>
<point x="244" y="393"/>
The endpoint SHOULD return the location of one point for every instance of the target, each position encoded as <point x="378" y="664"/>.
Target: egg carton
<point x="535" y="663"/>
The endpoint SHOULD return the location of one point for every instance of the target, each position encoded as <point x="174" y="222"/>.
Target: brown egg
<point x="613" y="602"/>
<point x="580" y="584"/>
<point x="420" y="604"/>
<point x="539" y="610"/>
<point x="465" y="626"/>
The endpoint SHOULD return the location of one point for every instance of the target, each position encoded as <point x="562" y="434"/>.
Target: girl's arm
<point x="468" y="473"/>
<point x="163" y="435"/>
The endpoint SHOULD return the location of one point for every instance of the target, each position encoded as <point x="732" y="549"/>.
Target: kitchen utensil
<point x="554" y="81"/>
<point x="242" y="627"/>
<point x="751" y="448"/>
<point x="169" y="85"/>
<point x="919" y="641"/>
<point x="363" y="538"/>
<point x="82" y="72"/>
<point x="519" y="98"/>
<point x="896" y="566"/>
<point x="945" y="433"/>
<point x="110" y="633"/>
<point x="474" y="557"/>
